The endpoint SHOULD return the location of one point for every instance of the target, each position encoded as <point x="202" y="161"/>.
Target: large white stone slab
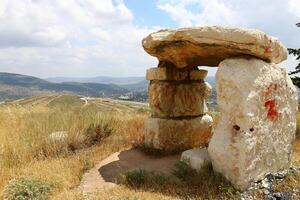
<point x="258" y="105"/>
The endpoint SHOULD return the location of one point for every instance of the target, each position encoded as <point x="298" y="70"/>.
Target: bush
<point x="183" y="171"/>
<point x="134" y="178"/>
<point x="137" y="178"/>
<point x="27" y="188"/>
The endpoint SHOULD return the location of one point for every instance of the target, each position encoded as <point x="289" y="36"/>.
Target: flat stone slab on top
<point x="208" y="46"/>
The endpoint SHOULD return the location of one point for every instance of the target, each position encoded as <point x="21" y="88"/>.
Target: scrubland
<point x="90" y="132"/>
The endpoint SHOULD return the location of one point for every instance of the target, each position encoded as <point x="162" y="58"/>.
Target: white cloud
<point x="71" y="38"/>
<point x="294" y="7"/>
<point x="208" y="12"/>
<point x="275" y="17"/>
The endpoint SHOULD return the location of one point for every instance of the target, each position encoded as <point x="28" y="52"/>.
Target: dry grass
<point x="26" y="150"/>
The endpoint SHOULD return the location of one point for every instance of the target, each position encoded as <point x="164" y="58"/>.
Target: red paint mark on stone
<point x="272" y="111"/>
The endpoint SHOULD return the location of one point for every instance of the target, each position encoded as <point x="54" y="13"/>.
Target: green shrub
<point x="183" y="171"/>
<point x="157" y="178"/>
<point x="27" y="188"/>
<point x="137" y="178"/>
<point x="134" y="178"/>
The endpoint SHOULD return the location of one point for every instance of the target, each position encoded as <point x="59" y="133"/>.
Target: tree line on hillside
<point x="296" y="53"/>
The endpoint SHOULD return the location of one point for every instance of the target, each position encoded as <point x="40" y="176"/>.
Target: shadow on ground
<point x="135" y="159"/>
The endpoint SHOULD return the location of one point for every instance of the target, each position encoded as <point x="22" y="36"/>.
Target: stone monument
<point x="256" y="98"/>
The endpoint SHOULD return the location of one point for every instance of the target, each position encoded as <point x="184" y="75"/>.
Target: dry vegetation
<point x="26" y="149"/>
<point x="95" y="130"/>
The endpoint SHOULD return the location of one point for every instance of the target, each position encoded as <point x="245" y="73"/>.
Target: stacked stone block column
<point x="177" y="99"/>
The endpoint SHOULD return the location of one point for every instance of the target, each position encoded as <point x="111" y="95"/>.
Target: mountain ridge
<point x="14" y="86"/>
<point x="98" y="79"/>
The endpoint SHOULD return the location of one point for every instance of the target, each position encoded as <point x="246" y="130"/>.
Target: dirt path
<point x="104" y="175"/>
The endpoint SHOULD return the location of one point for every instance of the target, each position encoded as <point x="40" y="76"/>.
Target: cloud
<point x="294" y="7"/>
<point x="276" y="17"/>
<point x="206" y="12"/>
<point x="93" y="37"/>
<point x="54" y="22"/>
<point x="71" y="38"/>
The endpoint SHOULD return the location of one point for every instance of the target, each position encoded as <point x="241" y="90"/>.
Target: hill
<point x="14" y="86"/>
<point x="99" y="79"/>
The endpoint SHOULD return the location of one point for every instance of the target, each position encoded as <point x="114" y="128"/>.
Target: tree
<point x="295" y="52"/>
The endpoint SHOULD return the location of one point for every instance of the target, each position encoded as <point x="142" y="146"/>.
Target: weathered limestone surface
<point x="208" y="46"/>
<point x="176" y="135"/>
<point x="196" y="158"/>
<point x="198" y="74"/>
<point x="166" y="74"/>
<point x="258" y="105"/>
<point x="171" y="74"/>
<point x="169" y="99"/>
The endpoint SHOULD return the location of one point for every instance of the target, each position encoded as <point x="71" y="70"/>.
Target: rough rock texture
<point x="175" y="135"/>
<point x="208" y="46"/>
<point x="258" y="105"/>
<point x="164" y="73"/>
<point x="169" y="99"/>
<point x="171" y="74"/>
<point x="196" y="158"/>
<point x="198" y="74"/>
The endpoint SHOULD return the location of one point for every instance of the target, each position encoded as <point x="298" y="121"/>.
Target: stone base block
<point x="168" y="99"/>
<point x="196" y="158"/>
<point x="177" y="135"/>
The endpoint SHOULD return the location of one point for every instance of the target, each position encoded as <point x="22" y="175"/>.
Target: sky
<point x="88" y="38"/>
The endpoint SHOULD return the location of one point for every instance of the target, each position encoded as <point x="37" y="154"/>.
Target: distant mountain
<point x="14" y="86"/>
<point x="137" y="87"/>
<point x="134" y="83"/>
<point x="20" y="80"/>
<point x="99" y="79"/>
